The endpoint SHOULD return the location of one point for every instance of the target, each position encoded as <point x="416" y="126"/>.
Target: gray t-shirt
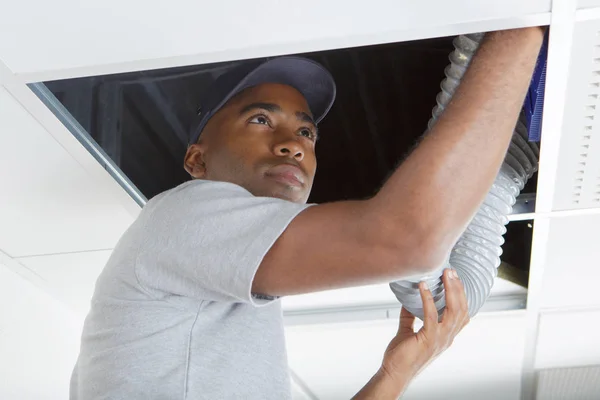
<point x="172" y="316"/>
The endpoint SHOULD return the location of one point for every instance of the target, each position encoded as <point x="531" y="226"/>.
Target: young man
<point x="187" y="306"/>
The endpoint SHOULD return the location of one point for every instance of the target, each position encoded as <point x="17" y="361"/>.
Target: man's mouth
<point x="287" y="174"/>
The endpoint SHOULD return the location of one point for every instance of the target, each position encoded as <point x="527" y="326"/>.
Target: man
<point x="187" y="306"/>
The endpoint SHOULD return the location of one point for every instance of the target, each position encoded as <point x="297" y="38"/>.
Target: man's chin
<point x="289" y="193"/>
<point x="278" y="190"/>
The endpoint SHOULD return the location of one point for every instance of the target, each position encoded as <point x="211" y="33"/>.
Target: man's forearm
<point x="448" y="175"/>
<point x="382" y="387"/>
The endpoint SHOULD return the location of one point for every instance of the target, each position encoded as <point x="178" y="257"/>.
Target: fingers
<point x="407" y="322"/>
<point x="456" y="314"/>
<point x="430" y="317"/>
<point x="435" y="337"/>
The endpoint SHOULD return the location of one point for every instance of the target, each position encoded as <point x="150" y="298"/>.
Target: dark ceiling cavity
<point x="385" y="97"/>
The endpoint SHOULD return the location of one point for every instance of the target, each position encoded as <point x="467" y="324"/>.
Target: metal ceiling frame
<point x="375" y="312"/>
<point x="561" y="25"/>
<point x="86" y="140"/>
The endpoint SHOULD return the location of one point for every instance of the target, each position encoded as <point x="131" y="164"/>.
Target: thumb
<point x="407" y="322"/>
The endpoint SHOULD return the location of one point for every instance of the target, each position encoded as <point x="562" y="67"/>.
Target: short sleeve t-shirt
<point x="173" y="317"/>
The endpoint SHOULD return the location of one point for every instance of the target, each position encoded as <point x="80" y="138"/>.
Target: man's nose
<point x="289" y="148"/>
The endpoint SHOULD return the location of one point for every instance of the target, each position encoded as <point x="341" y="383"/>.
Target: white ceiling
<point x="69" y="277"/>
<point x="85" y="38"/>
<point x="61" y="213"/>
<point x="333" y="366"/>
<point x="568" y="338"/>
<point x="569" y="279"/>
<point x="49" y="204"/>
<point x="39" y="341"/>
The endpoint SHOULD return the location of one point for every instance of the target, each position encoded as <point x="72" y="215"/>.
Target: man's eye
<point x="259" y="119"/>
<point x="307" y="133"/>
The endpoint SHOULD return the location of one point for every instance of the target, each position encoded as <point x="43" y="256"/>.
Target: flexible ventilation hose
<point x="476" y="255"/>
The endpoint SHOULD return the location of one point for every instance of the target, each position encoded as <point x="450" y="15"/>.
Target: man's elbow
<point x="416" y="249"/>
<point x="434" y="252"/>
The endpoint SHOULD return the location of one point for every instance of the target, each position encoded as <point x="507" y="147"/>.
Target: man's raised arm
<point x="410" y="226"/>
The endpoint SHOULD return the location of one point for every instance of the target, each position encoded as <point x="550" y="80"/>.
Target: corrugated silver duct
<point x="476" y="255"/>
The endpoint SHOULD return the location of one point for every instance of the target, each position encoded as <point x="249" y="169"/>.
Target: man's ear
<point x="193" y="161"/>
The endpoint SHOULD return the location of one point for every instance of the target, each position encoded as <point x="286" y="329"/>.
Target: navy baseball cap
<point x="308" y="77"/>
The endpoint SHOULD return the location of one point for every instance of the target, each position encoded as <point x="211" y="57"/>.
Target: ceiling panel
<point x="48" y="203"/>
<point x="484" y="361"/>
<point x="578" y="173"/>
<point x="39" y="342"/>
<point x="568" y="339"/>
<point x="70" y="277"/>
<point x="88" y="37"/>
<point x="572" y="267"/>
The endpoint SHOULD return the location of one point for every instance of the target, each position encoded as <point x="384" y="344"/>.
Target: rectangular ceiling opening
<point x="385" y="96"/>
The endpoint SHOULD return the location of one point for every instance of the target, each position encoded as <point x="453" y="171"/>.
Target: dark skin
<point x="263" y="140"/>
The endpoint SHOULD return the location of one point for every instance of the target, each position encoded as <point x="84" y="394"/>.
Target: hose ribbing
<point x="476" y="255"/>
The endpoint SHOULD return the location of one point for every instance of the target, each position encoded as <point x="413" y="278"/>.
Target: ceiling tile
<point x="572" y="266"/>
<point x="484" y="361"/>
<point x="48" y="203"/>
<point x="568" y="339"/>
<point x="70" y="277"/>
<point x="578" y="173"/>
<point x="39" y="341"/>
<point x="77" y="37"/>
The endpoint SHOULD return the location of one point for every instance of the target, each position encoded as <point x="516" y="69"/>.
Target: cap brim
<point x="308" y="77"/>
<point x="313" y="81"/>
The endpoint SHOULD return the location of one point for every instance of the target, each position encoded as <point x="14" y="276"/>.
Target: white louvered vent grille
<point x="581" y="383"/>
<point x="578" y="175"/>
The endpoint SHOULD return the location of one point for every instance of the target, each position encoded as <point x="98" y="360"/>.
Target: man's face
<point x="263" y="139"/>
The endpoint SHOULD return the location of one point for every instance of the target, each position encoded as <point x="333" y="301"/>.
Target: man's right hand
<point x="409" y="352"/>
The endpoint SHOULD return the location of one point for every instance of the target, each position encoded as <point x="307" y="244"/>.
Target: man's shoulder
<point x="214" y="203"/>
<point x="198" y="190"/>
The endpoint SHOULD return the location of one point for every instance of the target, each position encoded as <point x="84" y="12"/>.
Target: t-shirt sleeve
<point x="206" y="240"/>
